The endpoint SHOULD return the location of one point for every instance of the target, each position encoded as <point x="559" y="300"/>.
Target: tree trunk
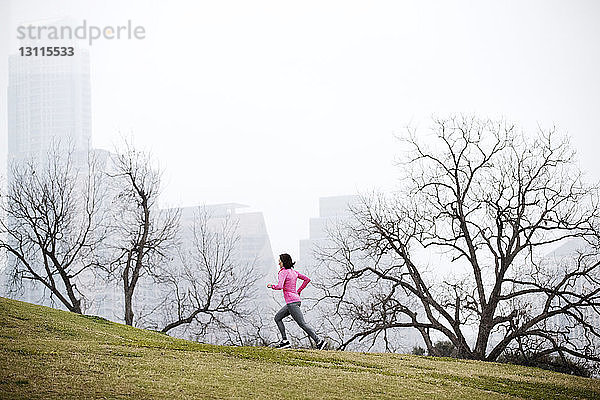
<point x="128" y="308"/>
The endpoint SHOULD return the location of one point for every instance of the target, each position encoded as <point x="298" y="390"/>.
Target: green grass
<point x="46" y="353"/>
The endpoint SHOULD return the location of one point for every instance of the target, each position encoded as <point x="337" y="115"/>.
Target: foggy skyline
<point x="276" y="104"/>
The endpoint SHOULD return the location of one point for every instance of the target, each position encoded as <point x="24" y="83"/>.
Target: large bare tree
<point x="52" y="222"/>
<point x="461" y="251"/>
<point x="143" y="234"/>
<point x="210" y="287"/>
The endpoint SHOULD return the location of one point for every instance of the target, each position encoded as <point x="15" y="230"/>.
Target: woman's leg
<point x="294" y="310"/>
<point x="281" y="314"/>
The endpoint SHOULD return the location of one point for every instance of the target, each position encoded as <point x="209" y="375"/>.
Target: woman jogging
<point x="287" y="282"/>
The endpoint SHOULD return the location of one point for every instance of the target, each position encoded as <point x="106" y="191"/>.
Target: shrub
<point x="548" y="362"/>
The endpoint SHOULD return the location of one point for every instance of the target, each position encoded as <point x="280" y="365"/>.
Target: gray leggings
<point x="293" y="309"/>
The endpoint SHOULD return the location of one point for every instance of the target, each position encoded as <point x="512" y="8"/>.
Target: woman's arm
<point x="279" y="285"/>
<point x="306" y="279"/>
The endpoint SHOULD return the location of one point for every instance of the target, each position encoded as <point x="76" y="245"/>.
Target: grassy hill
<point x="46" y="353"/>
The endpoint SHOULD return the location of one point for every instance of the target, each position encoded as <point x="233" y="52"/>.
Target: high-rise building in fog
<point x="568" y="255"/>
<point x="331" y="209"/>
<point x="49" y="101"/>
<point x="254" y="246"/>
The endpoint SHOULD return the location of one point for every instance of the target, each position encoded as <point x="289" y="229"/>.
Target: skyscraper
<point x="49" y="101"/>
<point x="331" y="209"/>
<point x="254" y="246"/>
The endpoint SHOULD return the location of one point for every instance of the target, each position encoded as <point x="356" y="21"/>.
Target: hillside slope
<point x="46" y="353"/>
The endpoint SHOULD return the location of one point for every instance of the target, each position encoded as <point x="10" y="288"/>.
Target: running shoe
<point x="321" y="344"/>
<point x="285" y="344"/>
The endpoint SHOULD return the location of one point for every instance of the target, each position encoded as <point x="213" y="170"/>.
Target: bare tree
<point x="142" y="233"/>
<point x="51" y="226"/>
<point x="210" y="287"/>
<point x="486" y="203"/>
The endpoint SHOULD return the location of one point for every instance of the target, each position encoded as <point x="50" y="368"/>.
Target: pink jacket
<point x="287" y="282"/>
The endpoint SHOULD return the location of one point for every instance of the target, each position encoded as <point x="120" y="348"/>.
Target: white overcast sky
<point x="275" y="104"/>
